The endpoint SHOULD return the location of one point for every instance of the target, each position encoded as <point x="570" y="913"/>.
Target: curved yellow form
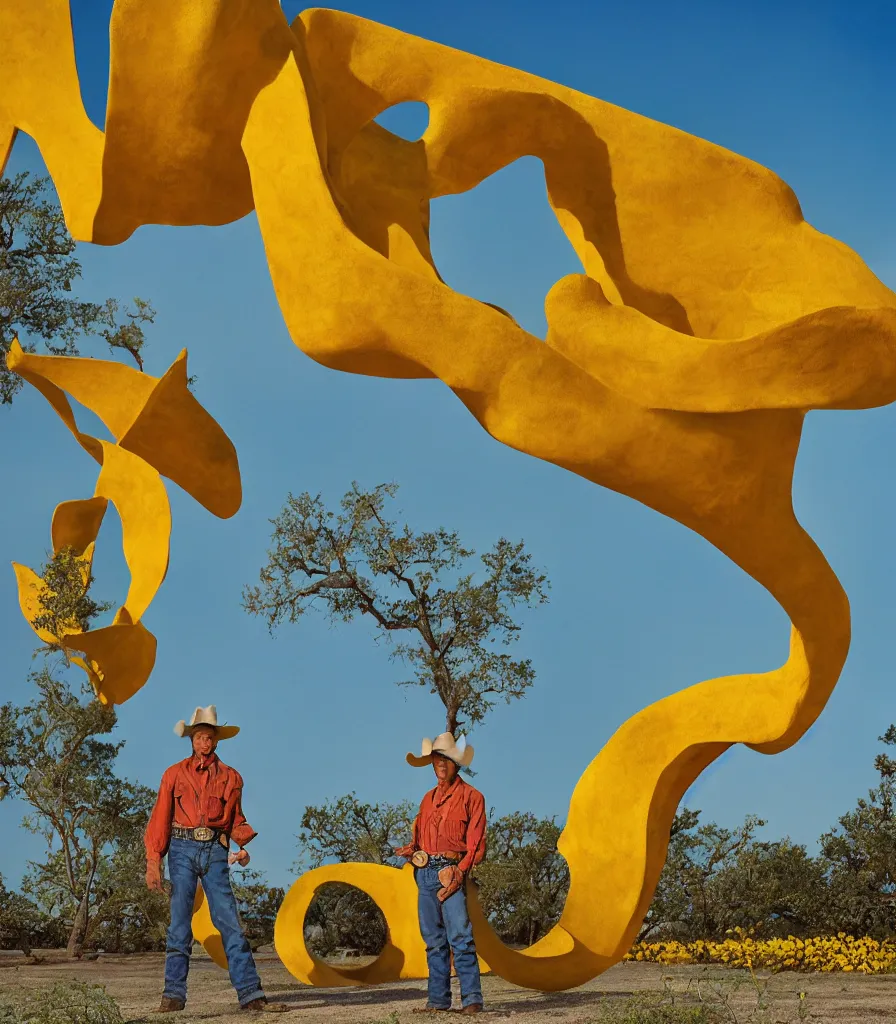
<point x="677" y="368"/>
<point x="159" y="428"/>
<point x="156" y="418"/>
<point x="76" y="524"/>
<point x="403" y="956"/>
<point x="204" y="930"/>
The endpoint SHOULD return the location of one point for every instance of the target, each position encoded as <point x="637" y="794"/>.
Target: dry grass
<point x="136" y="983"/>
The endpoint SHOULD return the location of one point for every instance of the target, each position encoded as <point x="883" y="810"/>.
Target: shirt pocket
<point x="217" y="800"/>
<point x="182" y="799"/>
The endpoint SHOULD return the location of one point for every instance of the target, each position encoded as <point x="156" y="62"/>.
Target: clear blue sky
<point x="640" y="607"/>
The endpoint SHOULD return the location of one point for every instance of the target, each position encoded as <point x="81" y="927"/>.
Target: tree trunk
<point x="79" y="929"/>
<point x="24" y="944"/>
<point x="451" y="720"/>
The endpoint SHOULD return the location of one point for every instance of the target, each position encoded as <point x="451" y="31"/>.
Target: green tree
<point x="776" y="887"/>
<point x="38" y="272"/>
<point x="346" y="829"/>
<point x="860" y="855"/>
<point x="19" y="919"/>
<point x="524" y="881"/>
<point x="422" y="588"/>
<point x="684" y="904"/>
<point x="53" y="758"/>
<point x="66" y="604"/>
<point x="127" y="917"/>
<point x="258" y="904"/>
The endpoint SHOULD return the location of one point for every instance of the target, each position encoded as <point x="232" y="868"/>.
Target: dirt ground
<point x="135" y="982"/>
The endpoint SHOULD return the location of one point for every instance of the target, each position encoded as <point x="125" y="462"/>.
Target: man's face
<point x="205" y="739"/>
<point x="444" y="768"/>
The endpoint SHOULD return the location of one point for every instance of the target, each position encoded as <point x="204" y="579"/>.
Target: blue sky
<point x="640" y="607"/>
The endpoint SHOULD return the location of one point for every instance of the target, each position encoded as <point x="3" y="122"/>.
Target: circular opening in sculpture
<point x="408" y="120"/>
<point x="343" y="924"/>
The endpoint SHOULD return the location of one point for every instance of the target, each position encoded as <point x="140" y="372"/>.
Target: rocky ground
<point x="135" y="982"/>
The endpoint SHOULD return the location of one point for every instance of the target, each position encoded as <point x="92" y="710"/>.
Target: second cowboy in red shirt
<point x="449" y="840"/>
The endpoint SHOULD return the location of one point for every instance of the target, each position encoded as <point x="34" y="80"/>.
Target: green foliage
<point x="710" y="997"/>
<point x="715" y="879"/>
<point x="347" y="830"/>
<point x="777" y="885"/>
<point x="861" y="857"/>
<point x="64" y="1003"/>
<point x="524" y="880"/>
<point x="420" y="587"/>
<point x="53" y="758"/>
<point x="683" y="902"/>
<point x="66" y="604"/>
<point x="258" y="904"/>
<point x="38" y="271"/>
<point x="343" y="917"/>
<point x="19" y="919"/>
<point x="652" y="1009"/>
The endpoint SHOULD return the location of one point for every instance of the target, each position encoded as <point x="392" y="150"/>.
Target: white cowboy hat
<point x="206" y="716"/>
<point x="458" y="751"/>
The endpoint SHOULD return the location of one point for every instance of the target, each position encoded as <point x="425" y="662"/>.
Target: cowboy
<point x="197" y="814"/>
<point x="448" y="840"/>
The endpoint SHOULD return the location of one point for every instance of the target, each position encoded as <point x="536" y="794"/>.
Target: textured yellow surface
<point x="159" y="427"/>
<point x="204" y="930"/>
<point x="677" y="368"/>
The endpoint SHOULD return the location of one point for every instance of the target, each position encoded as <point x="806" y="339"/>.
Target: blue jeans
<point x="443" y="926"/>
<point x="188" y="862"/>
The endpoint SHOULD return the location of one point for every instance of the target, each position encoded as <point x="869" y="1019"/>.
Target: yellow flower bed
<point x="826" y="953"/>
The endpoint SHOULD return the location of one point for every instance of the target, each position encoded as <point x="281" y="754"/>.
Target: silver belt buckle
<point x="203" y="834"/>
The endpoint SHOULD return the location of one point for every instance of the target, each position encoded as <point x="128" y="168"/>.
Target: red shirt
<point x="452" y="820"/>
<point x="191" y="795"/>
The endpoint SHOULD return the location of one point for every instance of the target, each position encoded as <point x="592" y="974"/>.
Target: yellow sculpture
<point x="159" y="428"/>
<point x="677" y="369"/>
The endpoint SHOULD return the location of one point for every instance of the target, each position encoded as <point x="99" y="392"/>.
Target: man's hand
<point x="154" y="875"/>
<point x="452" y="879"/>
<point x="405" y="851"/>
<point x="241" y="857"/>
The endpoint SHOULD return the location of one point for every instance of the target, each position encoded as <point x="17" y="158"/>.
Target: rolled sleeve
<point x="476" y="828"/>
<point x="241" y="832"/>
<point x="158" y="830"/>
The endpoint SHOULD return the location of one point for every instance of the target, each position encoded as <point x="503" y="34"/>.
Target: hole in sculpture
<point x="408" y="121"/>
<point x="90" y="32"/>
<point x="501" y="243"/>
<point x="342" y="923"/>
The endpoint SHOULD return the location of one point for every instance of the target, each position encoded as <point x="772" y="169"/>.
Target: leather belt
<point x="201" y="834"/>
<point x="421" y="859"/>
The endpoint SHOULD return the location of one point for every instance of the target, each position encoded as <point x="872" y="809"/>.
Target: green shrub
<point x="652" y="1009"/>
<point x="72" y="1003"/>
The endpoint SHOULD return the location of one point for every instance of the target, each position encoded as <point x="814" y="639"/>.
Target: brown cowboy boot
<point x="472" y="1008"/>
<point x="169" y="1005"/>
<point x="261" y="1005"/>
